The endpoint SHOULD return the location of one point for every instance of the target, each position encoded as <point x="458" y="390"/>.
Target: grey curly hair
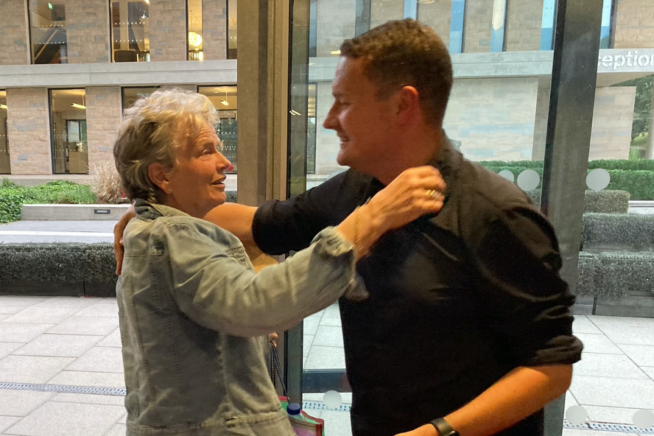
<point x="151" y="131"/>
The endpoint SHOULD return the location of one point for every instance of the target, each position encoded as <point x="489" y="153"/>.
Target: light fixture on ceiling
<point x="78" y="106"/>
<point x="224" y="101"/>
<point x="294" y="112"/>
<point x="194" y="39"/>
<point x="147" y="1"/>
<point x="3" y="106"/>
<point x="336" y="52"/>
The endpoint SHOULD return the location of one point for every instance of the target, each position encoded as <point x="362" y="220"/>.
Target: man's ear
<point x="408" y="105"/>
<point x="159" y="176"/>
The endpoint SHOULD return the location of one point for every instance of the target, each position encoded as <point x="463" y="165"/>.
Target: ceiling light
<point x="147" y="1"/>
<point x="335" y="52"/>
<point x="78" y="106"/>
<point x="294" y="112"/>
<point x="224" y="102"/>
<point x="194" y="39"/>
<point x="3" y="106"/>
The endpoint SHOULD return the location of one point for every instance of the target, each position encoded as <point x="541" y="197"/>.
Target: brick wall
<point x="438" y="16"/>
<point x="493" y="118"/>
<point x="87" y="31"/>
<point x="14" y="40"/>
<point x="168" y="30"/>
<point x="523" y="25"/>
<point x="634" y="24"/>
<point x="336" y="22"/>
<point x="103" y="113"/>
<point x="214" y="29"/>
<point x="29" y="130"/>
<point x="477" y="26"/>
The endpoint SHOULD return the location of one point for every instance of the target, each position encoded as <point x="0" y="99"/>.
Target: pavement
<point x="61" y="367"/>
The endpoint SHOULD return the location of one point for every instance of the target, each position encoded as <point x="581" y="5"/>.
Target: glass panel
<point x="614" y="382"/>
<point x="130" y="95"/>
<point x="225" y="100"/>
<point x="130" y="30"/>
<point x="232" y="13"/>
<point x="5" y="167"/>
<point x="48" y="31"/>
<point x="195" y="41"/>
<point x="607" y="17"/>
<point x="68" y="126"/>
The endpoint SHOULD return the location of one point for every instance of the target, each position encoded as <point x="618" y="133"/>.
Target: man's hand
<point x="425" y="430"/>
<point x="119" y="230"/>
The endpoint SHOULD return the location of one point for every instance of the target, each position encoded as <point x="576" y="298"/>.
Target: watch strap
<point x="444" y="428"/>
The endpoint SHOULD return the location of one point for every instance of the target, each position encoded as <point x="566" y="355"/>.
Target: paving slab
<point x="99" y="359"/>
<point x="21" y="403"/>
<point x="16" y="332"/>
<point x="86" y="325"/>
<point x="58" y="345"/>
<point x="86" y="378"/>
<point x="31" y="369"/>
<point x="611" y="392"/>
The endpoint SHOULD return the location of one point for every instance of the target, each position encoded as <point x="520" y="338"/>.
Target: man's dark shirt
<point x="456" y="301"/>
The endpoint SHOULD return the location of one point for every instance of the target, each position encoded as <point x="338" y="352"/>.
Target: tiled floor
<point x="76" y="342"/>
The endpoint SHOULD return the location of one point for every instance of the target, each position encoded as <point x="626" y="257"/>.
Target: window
<point x="48" y="32"/>
<point x="498" y="26"/>
<point x="5" y="167"/>
<point x="130" y="95"/>
<point x="130" y="30"/>
<point x="224" y="99"/>
<point x="607" y="18"/>
<point x="68" y="126"/>
<point x="456" y="29"/>
<point x="195" y="42"/>
<point x="231" y="29"/>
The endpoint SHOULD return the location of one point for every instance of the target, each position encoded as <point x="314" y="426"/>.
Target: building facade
<point x="68" y="68"/>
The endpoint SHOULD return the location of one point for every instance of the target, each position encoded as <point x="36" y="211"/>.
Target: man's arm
<point x="514" y="397"/>
<point x="528" y="309"/>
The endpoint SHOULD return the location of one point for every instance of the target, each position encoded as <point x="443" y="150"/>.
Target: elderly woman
<point x="193" y="313"/>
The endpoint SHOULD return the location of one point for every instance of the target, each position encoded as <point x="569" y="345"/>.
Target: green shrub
<point x="58" y="262"/>
<point x="640" y="184"/>
<point x="612" y="275"/>
<point x="607" y="164"/>
<point x="630" y="230"/>
<point x="232" y="197"/>
<point x="596" y="202"/>
<point x="13" y="196"/>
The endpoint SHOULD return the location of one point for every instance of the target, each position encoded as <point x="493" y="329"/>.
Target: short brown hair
<point x="406" y="53"/>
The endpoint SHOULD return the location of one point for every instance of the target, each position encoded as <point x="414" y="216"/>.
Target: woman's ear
<point x="159" y="176"/>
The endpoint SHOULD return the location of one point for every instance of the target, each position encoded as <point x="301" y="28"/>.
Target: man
<point x="467" y="330"/>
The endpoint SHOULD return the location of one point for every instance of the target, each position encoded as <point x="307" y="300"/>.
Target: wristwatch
<point x="444" y="428"/>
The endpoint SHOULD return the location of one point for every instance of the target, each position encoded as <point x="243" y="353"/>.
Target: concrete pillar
<point x="634" y="24"/>
<point x="649" y="153"/>
<point x="477" y="26"/>
<point x="28" y="130"/>
<point x="523" y="25"/>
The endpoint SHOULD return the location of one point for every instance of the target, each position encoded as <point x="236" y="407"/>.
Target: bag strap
<point x="277" y="368"/>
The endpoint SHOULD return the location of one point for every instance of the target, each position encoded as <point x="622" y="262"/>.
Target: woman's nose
<point x="222" y="163"/>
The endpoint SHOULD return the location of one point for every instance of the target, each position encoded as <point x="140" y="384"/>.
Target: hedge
<point x="596" y="202"/>
<point x="58" y="262"/>
<point x="613" y="275"/>
<point x="607" y="164"/>
<point x="639" y="183"/>
<point x="629" y="230"/>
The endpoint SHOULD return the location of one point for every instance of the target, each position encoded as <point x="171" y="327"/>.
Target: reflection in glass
<point x="456" y="29"/>
<point x="130" y="95"/>
<point x="607" y="18"/>
<point x="547" y="26"/>
<point x="130" y="30"/>
<point x="231" y="29"/>
<point x="4" y="143"/>
<point x="68" y="125"/>
<point x="48" y="31"/>
<point x="195" y="38"/>
<point x="311" y="129"/>
<point x="225" y="100"/>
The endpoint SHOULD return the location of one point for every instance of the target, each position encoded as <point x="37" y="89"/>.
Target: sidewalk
<point x="61" y="368"/>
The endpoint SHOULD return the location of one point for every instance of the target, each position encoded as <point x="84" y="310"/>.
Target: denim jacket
<point x="193" y="320"/>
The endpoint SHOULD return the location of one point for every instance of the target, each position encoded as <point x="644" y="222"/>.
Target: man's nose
<point x="330" y="121"/>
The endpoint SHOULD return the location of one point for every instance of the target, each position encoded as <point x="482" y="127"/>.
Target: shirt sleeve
<point x="529" y="305"/>
<point x="213" y="288"/>
<point x="281" y="226"/>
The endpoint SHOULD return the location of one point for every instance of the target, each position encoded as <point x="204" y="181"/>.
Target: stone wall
<point x="382" y="11"/>
<point x="336" y="22"/>
<point x="494" y="119"/>
<point x="88" y="39"/>
<point x="634" y="24"/>
<point x="214" y="29"/>
<point x="29" y="130"/>
<point x="523" y="25"/>
<point x="14" y="40"/>
<point x="613" y="116"/>
<point x="438" y="16"/>
<point x="103" y="114"/>
<point x="477" y="26"/>
<point x="168" y="39"/>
